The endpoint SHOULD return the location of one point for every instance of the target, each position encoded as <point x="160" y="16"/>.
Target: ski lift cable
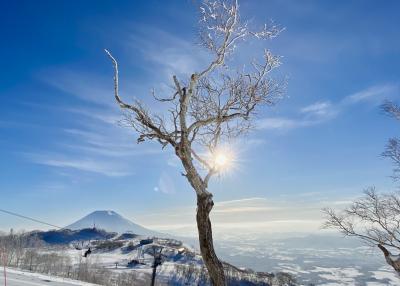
<point x="30" y="218"/>
<point x="27" y="218"/>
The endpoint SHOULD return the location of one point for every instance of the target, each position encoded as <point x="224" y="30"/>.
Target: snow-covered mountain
<point x="110" y="221"/>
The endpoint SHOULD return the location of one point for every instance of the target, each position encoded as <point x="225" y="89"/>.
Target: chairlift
<point x="87" y="253"/>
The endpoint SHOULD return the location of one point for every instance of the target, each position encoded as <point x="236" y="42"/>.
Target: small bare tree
<point x="209" y="108"/>
<point x="375" y="218"/>
<point x="392" y="151"/>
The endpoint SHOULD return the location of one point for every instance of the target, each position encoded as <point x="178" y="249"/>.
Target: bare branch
<point x="372" y="218"/>
<point x="392" y="150"/>
<point x="234" y="99"/>
<point x="148" y="128"/>
<point x="391" y="109"/>
<point x="210" y="173"/>
<point x="221" y="28"/>
<point x="214" y="105"/>
<point x="375" y="218"/>
<point x="202" y="160"/>
<point x="164" y="99"/>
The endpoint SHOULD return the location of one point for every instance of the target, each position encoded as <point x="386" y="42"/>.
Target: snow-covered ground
<point x="321" y="260"/>
<point x="24" y="278"/>
<point x="117" y="260"/>
<point x="318" y="260"/>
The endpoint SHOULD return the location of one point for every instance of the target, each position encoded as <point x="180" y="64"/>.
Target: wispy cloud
<point x="90" y="165"/>
<point x="279" y="123"/>
<point x="244" y="205"/>
<point x="241" y="201"/>
<point x="104" y="116"/>
<point x="94" y="140"/>
<point x="322" y="111"/>
<point x="170" y="55"/>
<point x="255" y="214"/>
<point x="94" y="147"/>
<point x="373" y="94"/>
<point x="105" y="143"/>
<point x="85" y="86"/>
<point x="319" y="108"/>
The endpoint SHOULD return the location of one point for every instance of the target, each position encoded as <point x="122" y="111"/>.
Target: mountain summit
<point x="110" y="221"/>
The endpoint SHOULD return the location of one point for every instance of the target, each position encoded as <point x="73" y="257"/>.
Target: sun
<point x="222" y="160"/>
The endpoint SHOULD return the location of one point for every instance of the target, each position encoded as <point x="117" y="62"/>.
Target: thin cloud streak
<point x="176" y="57"/>
<point x="97" y="138"/>
<point x="238" y="201"/>
<point x="318" y="108"/>
<point x="84" y="86"/>
<point x="375" y="94"/>
<point x="88" y="165"/>
<point x="255" y="214"/>
<point x="323" y="111"/>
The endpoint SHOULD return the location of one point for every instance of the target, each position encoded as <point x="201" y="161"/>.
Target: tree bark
<point x="204" y="207"/>
<point x="214" y="266"/>
<point x="390" y="259"/>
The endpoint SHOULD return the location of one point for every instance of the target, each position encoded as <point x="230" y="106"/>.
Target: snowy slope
<point x="17" y="277"/>
<point x="110" y="221"/>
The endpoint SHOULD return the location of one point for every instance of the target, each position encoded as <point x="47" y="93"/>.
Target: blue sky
<point x="63" y="153"/>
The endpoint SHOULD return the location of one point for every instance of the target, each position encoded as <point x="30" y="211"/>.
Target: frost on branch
<point x="221" y="27"/>
<point x="375" y="219"/>
<point x="212" y="105"/>
<point x="225" y="103"/>
<point x="215" y="103"/>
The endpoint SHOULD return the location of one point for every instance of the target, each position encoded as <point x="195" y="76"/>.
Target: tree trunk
<point x="153" y="276"/>
<point x="392" y="260"/>
<point x="214" y="266"/>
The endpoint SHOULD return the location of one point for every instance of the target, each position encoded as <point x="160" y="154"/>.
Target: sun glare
<point x="223" y="160"/>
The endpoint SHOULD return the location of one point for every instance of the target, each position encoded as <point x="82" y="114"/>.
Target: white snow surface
<point x="108" y="258"/>
<point x="44" y="277"/>
<point x="386" y="273"/>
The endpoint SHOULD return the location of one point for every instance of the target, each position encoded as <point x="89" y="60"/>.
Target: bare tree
<point x="375" y="218"/>
<point x="209" y="108"/>
<point x="392" y="151"/>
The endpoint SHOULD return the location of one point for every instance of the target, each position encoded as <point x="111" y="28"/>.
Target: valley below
<point x="312" y="259"/>
<point x="107" y="252"/>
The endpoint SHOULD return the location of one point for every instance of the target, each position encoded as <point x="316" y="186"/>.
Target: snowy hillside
<point x="96" y="256"/>
<point x="17" y="277"/>
<point x="110" y="221"/>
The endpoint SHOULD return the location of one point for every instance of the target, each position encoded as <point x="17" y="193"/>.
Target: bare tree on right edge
<point x="375" y="218"/>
